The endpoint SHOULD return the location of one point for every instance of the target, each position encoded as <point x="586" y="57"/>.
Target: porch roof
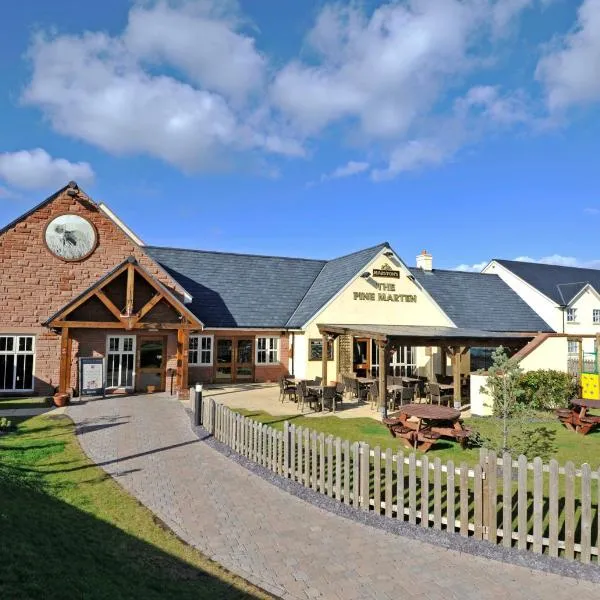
<point x="426" y="335"/>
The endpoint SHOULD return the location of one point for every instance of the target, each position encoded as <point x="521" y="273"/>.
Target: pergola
<point x="454" y="341"/>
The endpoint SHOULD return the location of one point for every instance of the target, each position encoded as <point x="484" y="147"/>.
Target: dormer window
<point x="571" y="315"/>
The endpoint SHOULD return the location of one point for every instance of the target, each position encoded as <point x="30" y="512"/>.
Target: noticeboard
<point x="91" y="376"/>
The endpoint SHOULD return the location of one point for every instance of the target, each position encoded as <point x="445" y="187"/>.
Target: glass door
<point x="244" y="364"/>
<point x="120" y="361"/>
<point x="224" y="361"/>
<point x="360" y="357"/>
<point x="151" y="370"/>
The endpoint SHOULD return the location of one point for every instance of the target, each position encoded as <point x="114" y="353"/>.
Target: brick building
<point x="77" y="282"/>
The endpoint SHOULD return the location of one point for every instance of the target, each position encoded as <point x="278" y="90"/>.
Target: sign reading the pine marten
<point x="386" y="271"/>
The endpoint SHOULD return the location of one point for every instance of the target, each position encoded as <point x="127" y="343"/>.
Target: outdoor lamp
<point x="198" y="387"/>
<point x="366" y="275"/>
<point x="388" y="253"/>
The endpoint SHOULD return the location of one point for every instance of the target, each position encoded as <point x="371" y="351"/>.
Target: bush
<point x="547" y="389"/>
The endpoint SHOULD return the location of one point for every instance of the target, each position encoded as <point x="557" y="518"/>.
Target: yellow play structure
<point x="590" y="378"/>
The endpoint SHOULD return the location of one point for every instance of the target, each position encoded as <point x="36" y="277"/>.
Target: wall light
<point x="388" y="253"/>
<point x="366" y="275"/>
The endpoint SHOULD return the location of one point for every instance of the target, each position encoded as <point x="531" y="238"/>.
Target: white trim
<point x="120" y="353"/>
<point x="267" y="350"/>
<point x="403" y="268"/>
<point x="199" y="350"/>
<point x="583" y="290"/>
<point x="15" y="352"/>
<point x="111" y="215"/>
<point x="282" y="329"/>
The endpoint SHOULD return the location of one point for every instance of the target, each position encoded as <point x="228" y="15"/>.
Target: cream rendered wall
<point x="551" y="354"/>
<point x="481" y="404"/>
<point x="585" y="304"/>
<point x="544" y="307"/>
<point x="346" y="310"/>
<point x="300" y="354"/>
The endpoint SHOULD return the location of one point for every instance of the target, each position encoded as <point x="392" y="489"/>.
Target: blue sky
<point x="468" y="128"/>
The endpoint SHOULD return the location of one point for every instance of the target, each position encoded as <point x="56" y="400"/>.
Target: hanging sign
<point x="91" y="376"/>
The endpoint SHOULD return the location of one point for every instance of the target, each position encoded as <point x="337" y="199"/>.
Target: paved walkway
<point x="277" y="541"/>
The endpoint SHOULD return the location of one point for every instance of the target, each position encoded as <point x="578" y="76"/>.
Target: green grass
<point x="69" y="531"/>
<point x="38" y="402"/>
<point x="569" y="446"/>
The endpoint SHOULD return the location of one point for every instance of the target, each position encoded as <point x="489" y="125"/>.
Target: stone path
<point x="275" y="540"/>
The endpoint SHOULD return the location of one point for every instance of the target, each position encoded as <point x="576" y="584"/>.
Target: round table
<point x="430" y="411"/>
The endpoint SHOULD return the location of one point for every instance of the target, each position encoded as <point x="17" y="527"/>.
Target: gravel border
<point x="450" y="541"/>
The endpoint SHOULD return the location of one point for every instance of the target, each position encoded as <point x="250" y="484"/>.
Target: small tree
<point x="504" y="388"/>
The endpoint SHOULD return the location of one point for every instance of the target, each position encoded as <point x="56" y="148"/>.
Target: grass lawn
<point x="69" y="531"/>
<point x="38" y="402"/>
<point x="570" y="446"/>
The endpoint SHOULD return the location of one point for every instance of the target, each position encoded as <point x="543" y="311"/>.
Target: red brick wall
<point x="34" y="284"/>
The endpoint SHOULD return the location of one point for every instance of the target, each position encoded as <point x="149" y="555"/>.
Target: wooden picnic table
<point x="432" y="422"/>
<point x="577" y="418"/>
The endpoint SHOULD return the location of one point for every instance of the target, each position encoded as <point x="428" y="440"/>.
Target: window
<point x="200" y="350"/>
<point x="315" y="349"/>
<point x="596" y="316"/>
<point x="16" y="363"/>
<point x="573" y="347"/>
<point x="571" y="315"/>
<point x="481" y="358"/>
<point x="120" y="361"/>
<point x="267" y="350"/>
<point x="403" y="362"/>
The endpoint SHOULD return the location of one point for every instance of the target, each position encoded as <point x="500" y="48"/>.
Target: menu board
<point x="91" y="376"/>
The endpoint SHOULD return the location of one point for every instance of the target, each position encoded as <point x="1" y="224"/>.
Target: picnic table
<point x="419" y="426"/>
<point x="577" y="418"/>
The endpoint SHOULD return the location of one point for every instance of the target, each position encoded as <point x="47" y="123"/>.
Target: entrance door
<point x="361" y="360"/>
<point x="224" y="362"/>
<point x="120" y="361"/>
<point x="151" y="368"/>
<point x="244" y="364"/>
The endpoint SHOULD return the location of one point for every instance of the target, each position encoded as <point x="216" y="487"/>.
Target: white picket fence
<point x="548" y="509"/>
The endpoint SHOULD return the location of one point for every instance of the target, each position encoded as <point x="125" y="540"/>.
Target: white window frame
<point x="571" y="315"/>
<point x="271" y="350"/>
<point x="395" y="361"/>
<point x="574" y="344"/>
<point x="16" y="352"/>
<point x="596" y="316"/>
<point x="200" y="351"/>
<point x="121" y="352"/>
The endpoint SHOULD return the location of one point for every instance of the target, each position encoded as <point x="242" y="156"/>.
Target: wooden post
<point x="384" y="359"/>
<point x="456" y="356"/>
<point x="580" y="353"/>
<point x="443" y="360"/>
<point x="129" y="290"/>
<point x="183" y="335"/>
<point x="324" y="355"/>
<point x="64" y="376"/>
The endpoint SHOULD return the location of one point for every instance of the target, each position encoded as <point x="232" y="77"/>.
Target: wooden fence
<point x="543" y="508"/>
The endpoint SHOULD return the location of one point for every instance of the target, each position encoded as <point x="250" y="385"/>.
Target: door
<point x="224" y="360"/>
<point x="152" y="362"/>
<point x="244" y="362"/>
<point x="120" y="361"/>
<point x="361" y="363"/>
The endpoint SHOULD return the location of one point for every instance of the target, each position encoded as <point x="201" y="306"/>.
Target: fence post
<point x="365" y="476"/>
<point x="213" y="411"/>
<point x="484" y="464"/>
<point x="286" y="448"/>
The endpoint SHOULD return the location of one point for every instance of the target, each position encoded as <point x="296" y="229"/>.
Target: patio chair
<point x="348" y="386"/>
<point x="437" y="396"/>
<point x="287" y="389"/>
<point x="339" y="391"/>
<point x="318" y="380"/>
<point x="329" y="396"/>
<point x="360" y="391"/>
<point x="373" y="394"/>
<point x="305" y="396"/>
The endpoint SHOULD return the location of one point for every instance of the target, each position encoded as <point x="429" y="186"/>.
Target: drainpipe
<point x="293" y="353"/>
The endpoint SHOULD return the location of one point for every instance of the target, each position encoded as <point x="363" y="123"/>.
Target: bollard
<point x="198" y="404"/>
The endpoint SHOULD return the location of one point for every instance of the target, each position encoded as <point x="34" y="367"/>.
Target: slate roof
<point x="479" y="301"/>
<point x="560" y="284"/>
<point x="239" y="290"/>
<point x="334" y="275"/>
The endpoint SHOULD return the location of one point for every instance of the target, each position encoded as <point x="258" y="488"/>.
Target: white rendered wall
<point x="481" y="403"/>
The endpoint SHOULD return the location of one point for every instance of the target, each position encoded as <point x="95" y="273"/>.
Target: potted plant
<point x="61" y="399"/>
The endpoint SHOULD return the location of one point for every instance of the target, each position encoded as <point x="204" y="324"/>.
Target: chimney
<point x="425" y="261"/>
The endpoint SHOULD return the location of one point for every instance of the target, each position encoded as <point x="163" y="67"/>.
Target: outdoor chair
<point x="287" y="389"/>
<point x="329" y="396"/>
<point x="339" y="391"/>
<point x="373" y="394"/>
<point x="348" y="386"/>
<point x="360" y="391"/>
<point x="305" y="396"/>
<point x="435" y="395"/>
<point x="318" y="380"/>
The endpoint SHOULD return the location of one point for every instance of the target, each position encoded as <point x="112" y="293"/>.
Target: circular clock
<point x="70" y="237"/>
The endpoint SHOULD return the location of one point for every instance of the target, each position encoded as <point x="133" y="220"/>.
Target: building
<point x="77" y="282"/>
<point x="567" y="298"/>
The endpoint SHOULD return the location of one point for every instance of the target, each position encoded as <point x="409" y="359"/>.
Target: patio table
<point x="577" y="419"/>
<point x="318" y="389"/>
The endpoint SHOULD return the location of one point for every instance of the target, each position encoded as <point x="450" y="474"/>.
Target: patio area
<point x="265" y="397"/>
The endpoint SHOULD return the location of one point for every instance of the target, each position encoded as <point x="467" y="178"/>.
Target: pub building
<point x="77" y="282"/>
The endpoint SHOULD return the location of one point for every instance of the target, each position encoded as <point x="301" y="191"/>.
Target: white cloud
<point x="34" y="169"/>
<point x="570" y="71"/>
<point x="591" y="211"/>
<point x="202" y="40"/>
<point x="351" y="168"/>
<point x="95" y="87"/>
<point x="476" y="268"/>
<point x="507" y="109"/>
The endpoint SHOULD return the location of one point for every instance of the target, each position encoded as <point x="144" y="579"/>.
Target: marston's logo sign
<point x="386" y="271"/>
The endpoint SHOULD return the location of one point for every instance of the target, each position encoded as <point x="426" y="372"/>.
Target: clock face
<point x="70" y="237"/>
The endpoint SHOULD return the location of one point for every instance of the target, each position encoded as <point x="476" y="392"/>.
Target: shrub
<point x="547" y="389"/>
